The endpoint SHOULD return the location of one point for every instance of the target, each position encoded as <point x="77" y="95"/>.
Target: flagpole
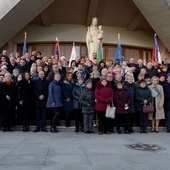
<point x="118" y="37"/>
<point x="25" y="34"/>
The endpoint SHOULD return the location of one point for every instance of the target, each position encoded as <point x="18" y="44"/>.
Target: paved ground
<point x="79" y="151"/>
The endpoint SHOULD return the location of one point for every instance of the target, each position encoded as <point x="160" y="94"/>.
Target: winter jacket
<point x="54" y="95"/>
<point x="87" y="100"/>
<point x="121" y="98"/>
<point x="141" y="95"/>
<point x="67" y="88"/>
<point x="103" y="96"/>
<point x="131" y="88"/>
<point x="11" y="91"/>
<point x="166" y="88"/>
<point x="76" y="95"/>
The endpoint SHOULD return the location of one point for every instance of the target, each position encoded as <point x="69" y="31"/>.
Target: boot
<point x="9" y="129"/>
<point x="4" y="129"/>
<point x="53" y="129"/>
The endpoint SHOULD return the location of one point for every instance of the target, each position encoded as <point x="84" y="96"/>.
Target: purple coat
<point x="103" y="96"/>
<point x="122" y="97"/>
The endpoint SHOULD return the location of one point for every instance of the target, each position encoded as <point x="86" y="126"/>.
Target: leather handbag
<point x="110" y="111"/>
<point x="148" y="108"/>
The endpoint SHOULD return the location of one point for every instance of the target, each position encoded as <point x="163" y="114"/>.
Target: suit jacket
<point x="41" y="88"/>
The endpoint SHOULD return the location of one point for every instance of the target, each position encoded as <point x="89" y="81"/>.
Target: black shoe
<point x="126" y="132"/>
<point x="119" y="131"/>
<point x="131" y="131"/>
<point x="77" y="130"/>
<point x="9" y="129"/>
<point x="44" y="130"/>
<point x="4" y="129"/>
<point x="27" y="129"/>
<point x="54" y="130"/>
<point x="168" y="131"/>
<point x="113" y="131"/>
<point x="37" y="130"/>
<point x="141" y="131"/>
<point x="82" y="129"/>
<point x="157" y="131"/>
<point x="86" y="132"/>
<point x="91" y="131"/>
<point x="145" y="131"/>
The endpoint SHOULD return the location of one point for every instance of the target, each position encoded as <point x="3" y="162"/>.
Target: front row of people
<point x="85" y="101"/>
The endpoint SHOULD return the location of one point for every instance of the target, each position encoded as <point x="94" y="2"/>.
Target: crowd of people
<point x="33" y="84"/>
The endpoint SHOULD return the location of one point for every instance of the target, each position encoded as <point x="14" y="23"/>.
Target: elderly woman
<point x="122" y="103"/>
<point x="143" y="97"/>
<point x="8" y="103"/>
<point x="158" y="102"/>
<point x="103" y="96"/>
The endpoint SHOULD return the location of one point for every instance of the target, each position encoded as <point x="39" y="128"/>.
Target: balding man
<point x="41" y="93"/>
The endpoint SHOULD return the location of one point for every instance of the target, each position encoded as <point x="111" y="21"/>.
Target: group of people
<point x="34" y="84"/>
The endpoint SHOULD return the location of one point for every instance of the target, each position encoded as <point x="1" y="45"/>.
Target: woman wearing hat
<point x="78" y="87"/>
<point x="87" y="101"/>
<point x="103" y="96"/>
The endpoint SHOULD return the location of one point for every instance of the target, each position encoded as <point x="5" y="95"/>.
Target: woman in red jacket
<point x="103" y="96"/>
<point x="122" y="101"/>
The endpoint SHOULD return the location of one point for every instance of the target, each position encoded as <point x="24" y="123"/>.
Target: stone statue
<point x="94" y="38"/>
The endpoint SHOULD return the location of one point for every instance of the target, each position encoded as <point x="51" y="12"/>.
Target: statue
<point x="94" y="38"/>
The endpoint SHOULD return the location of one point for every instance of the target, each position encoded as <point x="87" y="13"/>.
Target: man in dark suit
<point x="41" y="92"/>
<point x="166" y="88"/>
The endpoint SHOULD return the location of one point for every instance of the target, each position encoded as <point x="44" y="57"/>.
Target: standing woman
<point x="131" y="88"/>
<point x="76" y="104"/>
<point x="26" y="100"/>
<point x="143" y="97"/>
<point x="103" y="96"/>
<point x="158" y="102"/>
<point x="9" y="101"/>
<point x="54" y="100"/>
<point x="122" y="102"/>
<point x="67" y="88"/>
<point x="87" y="101"/>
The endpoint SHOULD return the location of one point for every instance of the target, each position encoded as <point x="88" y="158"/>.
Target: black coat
<point x="41" y="88"/>
<point x="166" y="88"/>
<point x="25" y="93"/>
<point x="11" y="91"/>
<point x="131" y="88"/>
<point x="11" y="67"/>
<point x="76" y="96"/>
<point x="141" y="95"/>
<point x="67" y="88"/>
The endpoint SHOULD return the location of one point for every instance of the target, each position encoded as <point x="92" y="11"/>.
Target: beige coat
<point x="159" y="101"/>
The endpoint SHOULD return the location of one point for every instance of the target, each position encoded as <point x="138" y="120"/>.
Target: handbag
<point x="110" y="111"/>
<point x="148" y="108"/>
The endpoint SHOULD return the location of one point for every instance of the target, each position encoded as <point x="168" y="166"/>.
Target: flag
<point x="155" y="52"/>
<point x="24" y="50"/>
<point x="119" y="55"/>
<point x="57" y="48"/>
<point x="100" y="53"/>
<point x="73" y="54"/>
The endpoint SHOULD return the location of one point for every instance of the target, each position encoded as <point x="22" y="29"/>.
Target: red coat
<point x="121" y="97"/>
<point x="103" y="96"/>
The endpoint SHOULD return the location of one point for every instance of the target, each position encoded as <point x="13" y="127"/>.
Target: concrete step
<point x="72" y="128"/>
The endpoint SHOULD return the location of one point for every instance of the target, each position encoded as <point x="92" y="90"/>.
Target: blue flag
<point x="24" y="50"/>
<point x="119" y="55"/>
